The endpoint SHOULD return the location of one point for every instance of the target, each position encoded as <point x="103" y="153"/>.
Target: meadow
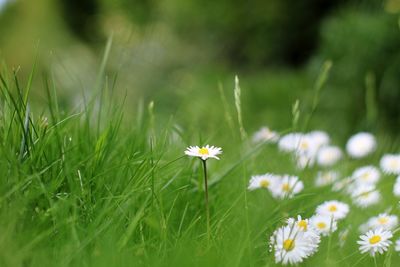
<point x="107" y="182"/>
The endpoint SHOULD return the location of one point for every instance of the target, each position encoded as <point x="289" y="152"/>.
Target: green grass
<point x="96" y="185"/>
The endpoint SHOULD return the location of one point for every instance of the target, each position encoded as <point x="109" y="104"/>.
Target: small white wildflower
<point x="265" y="135"/>
<point x="361" y="145"/>
<point x="390" y="164"/>
<point x="262" y="181"/>
<point x="325" y="225"/>
<point x="304" y="225"/>
<point x="384" y="221"/>
<point x="320" y="138"/>
<point x="289" y="142"/>
<point x="204" y="152"/>
<point x="304" y="160"/>
<point x="287" y="187"/>
<point x="375" y="241"/>
<point x="333" y="208"/>
<point x="366" y="175"/>
<point x="328" y="155"/>
<point x="292" y="247"/>
<point x="365" y="196"/>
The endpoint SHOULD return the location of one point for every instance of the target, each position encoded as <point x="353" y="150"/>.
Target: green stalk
<point x="206" y="198"/>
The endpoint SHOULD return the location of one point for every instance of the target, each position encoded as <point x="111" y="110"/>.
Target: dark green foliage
<point x="361" y="42"/>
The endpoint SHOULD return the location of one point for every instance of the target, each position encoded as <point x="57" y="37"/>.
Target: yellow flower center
<point x="374" y="239"/>
<point x="364" y="194"/>
<point x="321" y="225"/>
<point x="264" y="183"/>
<point x="288" y="244"/>
<point x="327" y="177"/>
<point x="383" y="220"/>
<point x="332" y="208"/>
<point x="303" y="145"/>
<point x="286" y="187"/>
<point x="365" y="176"/>
<point x="393" y="164"/>
<point x="203" y="151"/>
<point x="302" y="224"/>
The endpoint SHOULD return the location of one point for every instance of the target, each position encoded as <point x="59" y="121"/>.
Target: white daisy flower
<point x="375" y="241"/>
<point x="320" y="138"/>
<point x="360" y="145"/>
<point x="304" y="160"/>
<point x="300" y="224"/>
<point x="366" y="195"/>
<point x="262" y="181"/>
<point x="390" y="164"/>
<point x="333" y="208"/>
<point x="384" y="221"/>
<point x="304" y="225"/>
<point x="326" y="178"/>
<point x="396" y="187"/>
<point x="287" y="186"/>
<point x="204" y="152"/>
<point x="292" y="246"/>
<point x="289" y="142"/>
<point x="328" y="155"/>
<point x="397" y="247"/>
<point x="366" y="175"/>
<point x="265" y="135"/>
<point x="323" y="224"/>
<point x="307" y="146"/>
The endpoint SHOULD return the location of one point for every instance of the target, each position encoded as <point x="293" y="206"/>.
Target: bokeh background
<point x="180" y="54"/>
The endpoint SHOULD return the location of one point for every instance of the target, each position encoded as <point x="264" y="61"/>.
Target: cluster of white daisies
<point x="299" y="239"/>
<point x="280" y="186"/>
<point x="314" y="147"/>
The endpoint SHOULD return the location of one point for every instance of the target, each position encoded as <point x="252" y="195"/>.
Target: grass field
<point x="107" y="183"/>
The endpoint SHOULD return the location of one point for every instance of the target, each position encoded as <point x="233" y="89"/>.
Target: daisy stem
<point x="206" y="197"/>
<point x="329" y="246"/>
<point x="376" y="265"/>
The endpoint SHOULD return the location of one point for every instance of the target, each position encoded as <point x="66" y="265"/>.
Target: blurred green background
<point x="178" y="53"/>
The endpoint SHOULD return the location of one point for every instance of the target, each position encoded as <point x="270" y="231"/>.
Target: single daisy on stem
<point x="204" y="153"/>
<point x="375" y="241"/>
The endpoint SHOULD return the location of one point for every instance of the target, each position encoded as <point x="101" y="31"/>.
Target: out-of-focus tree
<point x="254" y="32"/>
<point x="362" y="41"/>
<point x="82" y="18"/>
